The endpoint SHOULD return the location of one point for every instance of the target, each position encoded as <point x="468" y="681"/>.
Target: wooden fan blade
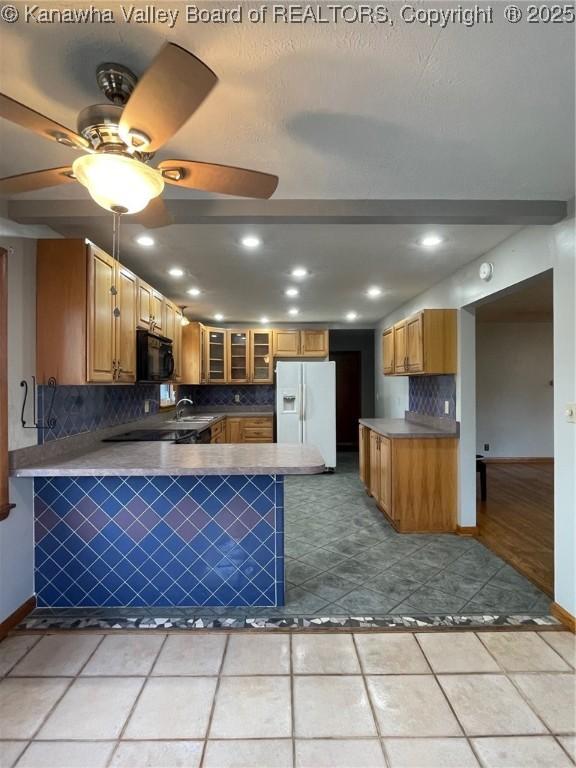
<point x="27" y="182"/>
<point x="28" y="118"/>
<point x="171" y="89"/>
<point x="155" y="214"/>
<point x="212" y="177"/>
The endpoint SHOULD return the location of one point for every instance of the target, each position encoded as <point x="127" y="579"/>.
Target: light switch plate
<point x="446" y="407"/>
<point x="571" y="413"/>
<point x="146" y="406"/>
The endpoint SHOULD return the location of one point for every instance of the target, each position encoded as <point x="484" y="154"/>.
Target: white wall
<point x="514" y="399"/>
<point x="529" y="252"/>
<point x="21" y="334"/>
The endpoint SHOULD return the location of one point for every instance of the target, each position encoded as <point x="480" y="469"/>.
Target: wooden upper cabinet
<point x="237" y="357"/>
<point x="287" y="343"/>
<point x="191" y="354"/>
<point x="424" y="343"/>
<point x="177" y="344"/>
<point x="144" y="305"/>
<point x="125" y="322"/>
<point x="216" y="355"/>
<point x="400" y="348"/>
<point x="388" y="351"/>
<point x="314" y="343"/>
<point x="261" y="359"/>
<point x="169" y="320"/>
<point x="157" y="305"/>
<point x="102" y="299"/>
<point x="301" y="343"/>
<point x="415" y="343"/>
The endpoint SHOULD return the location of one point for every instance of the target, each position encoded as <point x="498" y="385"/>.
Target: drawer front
<point x="218" y="428"/>
<point x="257" y="439"/>
<point x="257" y="423"/>
<point x="256" y="432"/>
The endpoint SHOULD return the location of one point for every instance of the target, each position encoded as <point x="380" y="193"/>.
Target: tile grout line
<point x="21" y="658"/>
<point x="214" y="698"/>
<point x="292" y="699"/>
<point x="370" y="702"/>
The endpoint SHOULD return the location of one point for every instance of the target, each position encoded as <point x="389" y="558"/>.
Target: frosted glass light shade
<point x="118" y="183"/>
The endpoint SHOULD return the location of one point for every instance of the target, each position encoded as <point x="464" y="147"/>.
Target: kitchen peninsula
<point x="158" y="524"/>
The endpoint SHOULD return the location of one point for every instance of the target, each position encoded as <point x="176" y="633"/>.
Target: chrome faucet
<point x="180" y="411"/>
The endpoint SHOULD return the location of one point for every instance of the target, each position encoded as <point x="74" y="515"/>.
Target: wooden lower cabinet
<point x="245" y="429"/>
<point x="218" y="432"/>
<point x="364" y="449"/>
<point x="413" y="481"/>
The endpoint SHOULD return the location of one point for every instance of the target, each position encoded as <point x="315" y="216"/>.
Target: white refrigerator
<point x="306" y="406"/>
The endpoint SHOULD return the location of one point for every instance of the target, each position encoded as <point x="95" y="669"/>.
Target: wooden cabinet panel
<point x="192" y="353"/>
<point x="400" y="348"/>
<point x="177" y="345"/>
<point x="237" y="357"/>
<point x="261" y="359"/>
<point x="169" y="321"/>
<point x="144" y="305"/>
<point x="313" y="343"/>
<point x="233" y="430"/>
<point x="286" y="343"/>
<point x="388" y="351"/>
<point x="385" y="497"/>
<point x="157" y="308"/>
<point x="415" y="343"/>
<point x="101" y="362"/>
<point x="374" y="465"/>
<point x="125" y="342"/>
<point x="364" y="450"/>
<point x="218" y="432"/>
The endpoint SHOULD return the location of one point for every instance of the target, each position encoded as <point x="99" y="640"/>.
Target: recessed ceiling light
<point x="218" y="316"/>
<point x="430" y="241"/>
<point x="264" y="320"/>
<point x="299" y="272"/>
<point x="374" y="292"/>
<point x="145" y="240"/>
<point x="176" y="272"/>
<point x="251" y="241"/>
<point x="293" y="311"/>
<point x="193" y="292"/>
<point x="291" y="291"/>
<point x="351" y="316"/>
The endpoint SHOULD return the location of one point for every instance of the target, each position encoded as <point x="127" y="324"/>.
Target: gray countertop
<point x="404" y="428"/>
<point x="158" y="458"/>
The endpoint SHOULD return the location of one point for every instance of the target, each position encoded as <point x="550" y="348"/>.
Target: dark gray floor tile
<point x="392" y="587"/>
<point x="322" y="559"/>
<point x="296" y="572"/>
<point x="412" y="568"/>
<point x="508" y="578"/>
<point x="362" y="600"/>
<point x="428" y="600"/>
<point x="300" y="600"/>
<point x="483" y="560"/>
<point x="358" y="571"/>
<point x="296" y="548"/>
<point x="501" y="600"/>
<point x="456" y="584"/>
<point x="329" y="586"/>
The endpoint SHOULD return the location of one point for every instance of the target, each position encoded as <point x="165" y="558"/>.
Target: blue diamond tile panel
<point x="159" y="541"/>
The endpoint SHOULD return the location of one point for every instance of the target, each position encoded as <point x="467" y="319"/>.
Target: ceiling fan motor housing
<point x="116" y="82"/>
<point x="99" y="124"/>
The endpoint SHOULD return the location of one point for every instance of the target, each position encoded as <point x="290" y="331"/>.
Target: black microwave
<point x="154" y="357"/>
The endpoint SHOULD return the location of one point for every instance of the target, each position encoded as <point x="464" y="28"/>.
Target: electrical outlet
<point x="446" y="407"/>
<point x="237" y="397"/>
<point x="146" y="406"/>
<point x="486" y="446"/>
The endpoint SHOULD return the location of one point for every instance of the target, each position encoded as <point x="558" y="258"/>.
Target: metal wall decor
<point x="49" y="421"/>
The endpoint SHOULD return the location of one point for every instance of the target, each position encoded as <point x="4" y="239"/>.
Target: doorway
<point x="514" y="428"/>
<point x="348" y="398"/>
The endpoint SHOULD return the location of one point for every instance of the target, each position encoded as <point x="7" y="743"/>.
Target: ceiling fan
<point x="119" y="140"/>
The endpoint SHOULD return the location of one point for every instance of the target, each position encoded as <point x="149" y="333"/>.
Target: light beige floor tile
<point x="456" y="652"/>
<point x="389" y="654"/>
<point x="10" y="751"/>
<point x="172" y="708"/>
<point x="489" y="705"/>
<point x="13" y="648"/>
<point x="522" y="652"/>
<point x="563" y="643"/>
<point x="191" y="654"/>
<point x="569" y="744"/>
<point x="327" y="707"/>
<point x="429" y="753"/>
<point x="93" y="709"/>
<point x="119" y="655"/>
<point x="411" y="705"/>
<point x="276" y="753"/>
<point x="252" y="708"/>
<point x="336" y="753"/>
<point x="552" y="696"/>
<point x="521" y="752"/>
<point x="57" y="655"/>
<point x="24" y="703"/>
<point x="67" y="754"/>
<point x="257" y="655"/>
<point x="157" y="754"/>
<point x="324" y="655"/>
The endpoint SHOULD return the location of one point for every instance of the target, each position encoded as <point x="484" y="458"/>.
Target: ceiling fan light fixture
<point x="118" y="183"/>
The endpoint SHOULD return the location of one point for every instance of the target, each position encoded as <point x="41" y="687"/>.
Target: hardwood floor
<point x="517" y="519"/>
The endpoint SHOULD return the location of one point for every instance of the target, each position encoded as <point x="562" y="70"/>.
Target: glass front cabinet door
<point x="238" y="369"/>
<point x="216" y="355"/>
<point x="262" y="370"/>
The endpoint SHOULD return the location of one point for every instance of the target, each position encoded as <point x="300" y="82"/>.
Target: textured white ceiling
<point x="344" y="260"/>
<point x="337" y="111"/>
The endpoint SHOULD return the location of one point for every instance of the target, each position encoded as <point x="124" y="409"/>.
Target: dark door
<point x="348" y="398"/>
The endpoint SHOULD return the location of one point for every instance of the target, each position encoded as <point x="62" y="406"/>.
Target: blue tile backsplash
<point x="90" y="407"/>
<point x="210" y="395"/>
<point x="145" y="541"/>
<point x="428" y="393"/>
